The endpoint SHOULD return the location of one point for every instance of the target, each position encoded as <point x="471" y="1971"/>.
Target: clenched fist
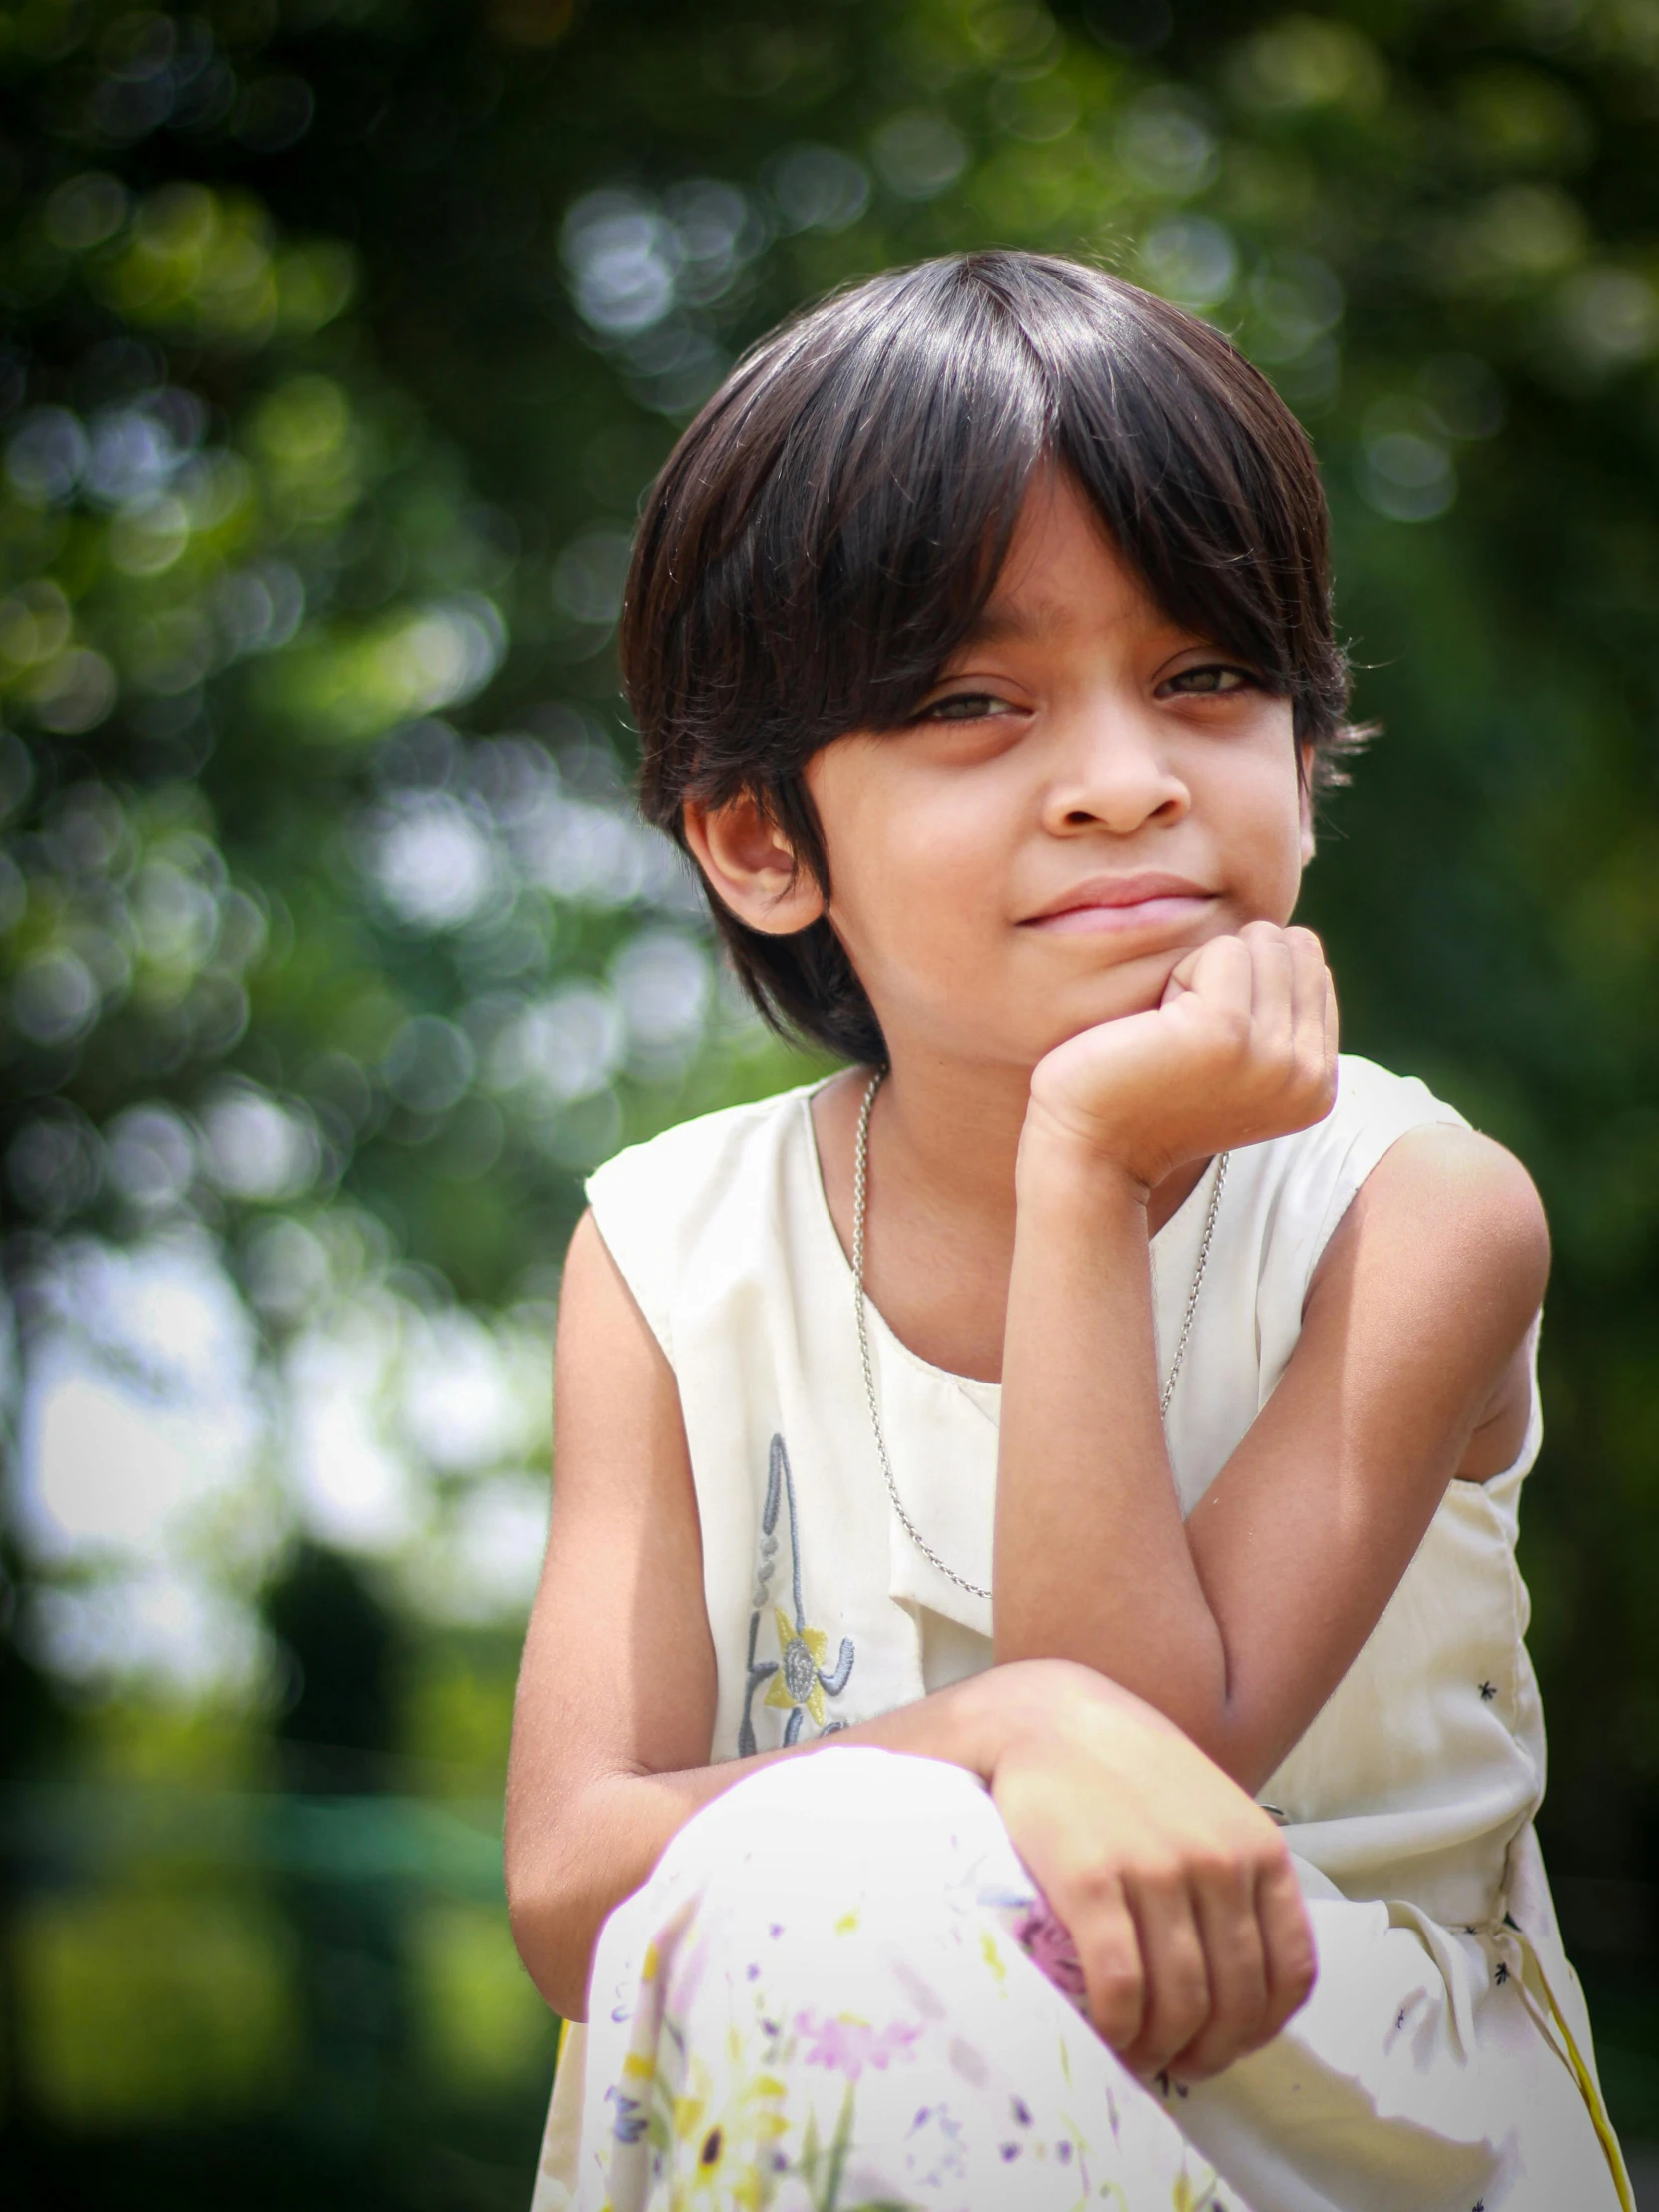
<point x="1243" y="1047"/>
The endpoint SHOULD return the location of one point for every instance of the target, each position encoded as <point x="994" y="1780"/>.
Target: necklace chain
<point x="860" y="1203"/>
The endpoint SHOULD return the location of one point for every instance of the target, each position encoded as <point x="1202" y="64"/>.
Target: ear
<point x="751" y="867"/>
<point x="1305" y="782"/>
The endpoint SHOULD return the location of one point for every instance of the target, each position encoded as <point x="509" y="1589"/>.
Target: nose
<point x="1111" y="771"/>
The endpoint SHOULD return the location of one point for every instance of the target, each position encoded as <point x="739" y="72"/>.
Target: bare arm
<point x="615" y="1693"/>
<point x="1177" y="1890"/>
<point x="1409" y="1369"/>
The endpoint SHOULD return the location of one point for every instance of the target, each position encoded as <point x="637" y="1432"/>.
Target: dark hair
<point x="828" y="530"/>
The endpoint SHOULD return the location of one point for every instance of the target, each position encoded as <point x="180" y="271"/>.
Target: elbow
<point x="1233" y="1737"/>
<point x="1025" y="1633"/>
<point x="554" y="1937"/>
<point x="1217" y="1721"/>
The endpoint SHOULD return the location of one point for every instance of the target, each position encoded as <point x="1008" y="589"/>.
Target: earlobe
<point x="1306" y="781"/>
<point x="749" y="866"/>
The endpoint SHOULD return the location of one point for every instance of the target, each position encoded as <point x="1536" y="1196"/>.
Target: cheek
<point x="913" y="857"/>
<point x="1256" y="807"/>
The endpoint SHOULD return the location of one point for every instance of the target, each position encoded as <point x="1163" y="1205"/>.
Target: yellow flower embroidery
<point x="796" y="1680"/>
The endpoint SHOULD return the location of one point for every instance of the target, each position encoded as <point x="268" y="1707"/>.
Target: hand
<point x="1241" y="1048"/>
<point x="1176" y="1888"/>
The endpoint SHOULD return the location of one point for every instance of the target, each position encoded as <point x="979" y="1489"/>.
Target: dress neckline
<point x="972" y="1386"/>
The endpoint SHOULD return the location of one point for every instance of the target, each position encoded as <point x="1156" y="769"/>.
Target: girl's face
<point x="1090" y="793"/>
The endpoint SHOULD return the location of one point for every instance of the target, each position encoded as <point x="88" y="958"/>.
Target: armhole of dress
<point x="1371" y="1142"/>
<point x="638" y="1246"/>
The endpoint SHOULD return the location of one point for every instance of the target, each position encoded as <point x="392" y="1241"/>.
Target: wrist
<point x="1013" y="1705"/>
<point x="1006" y="1705"/>
<point x="1074" y="1168"/>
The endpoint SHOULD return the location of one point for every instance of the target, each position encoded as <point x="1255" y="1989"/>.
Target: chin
<point x="1075" y="1019"/>
<point x="1118" y="992"/>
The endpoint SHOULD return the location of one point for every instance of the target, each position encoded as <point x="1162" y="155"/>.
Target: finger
<point x="1109" y="1951"/>
<point x="1286" y="1943"/>
<point x="1236" y="1966"/>
<point x="1177" y="1980"/>
<point x="1273" y="991"/>
<point x="1222" y="975"/>
<point x="1315" y="1002"/>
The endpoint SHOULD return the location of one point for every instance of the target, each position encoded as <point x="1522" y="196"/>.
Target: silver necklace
<point x="860" y="1201"/>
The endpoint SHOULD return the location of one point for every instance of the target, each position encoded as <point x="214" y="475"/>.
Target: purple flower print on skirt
<point x="1046" y="1941"/>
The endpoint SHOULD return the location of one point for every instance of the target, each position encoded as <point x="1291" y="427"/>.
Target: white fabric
<point x="1417" y="1782"/>
<point x="837" y="1951"/>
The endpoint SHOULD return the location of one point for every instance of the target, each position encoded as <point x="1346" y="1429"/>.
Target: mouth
<point x="1119" y="905"/>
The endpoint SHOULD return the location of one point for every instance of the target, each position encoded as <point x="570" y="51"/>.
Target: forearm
<point x="1092" y="1562"/>
<point x="573" y="1857"/>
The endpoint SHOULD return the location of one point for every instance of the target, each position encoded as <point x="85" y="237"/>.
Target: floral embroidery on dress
<point x="798" y="1681"/>
<point x="792" y="2047"/>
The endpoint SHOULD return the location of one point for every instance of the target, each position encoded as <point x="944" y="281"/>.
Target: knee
<point x="862" y="1791"/>
<point x="842" y="1814"/>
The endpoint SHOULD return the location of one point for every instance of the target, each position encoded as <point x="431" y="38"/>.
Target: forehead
<point x="1062" y="572"/>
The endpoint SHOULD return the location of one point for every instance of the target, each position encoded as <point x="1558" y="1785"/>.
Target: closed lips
<point x="1122" y="901"/>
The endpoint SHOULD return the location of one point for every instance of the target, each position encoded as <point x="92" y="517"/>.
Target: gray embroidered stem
<point x="860" y="1202"/>
<point x="803" y="1678"/>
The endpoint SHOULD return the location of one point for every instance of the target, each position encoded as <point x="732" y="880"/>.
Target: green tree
<point x="339" y="339"/>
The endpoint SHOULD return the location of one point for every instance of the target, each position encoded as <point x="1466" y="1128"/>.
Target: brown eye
<point x="1213" y="678"/>
<point x="963" y="707"/>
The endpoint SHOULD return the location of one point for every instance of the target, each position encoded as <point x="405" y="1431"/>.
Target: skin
<point x="1059" y="1082"/>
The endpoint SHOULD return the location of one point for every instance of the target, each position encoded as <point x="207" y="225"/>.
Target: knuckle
<point x="1295" y="1967"/>
<point x="1118" y="1986"/>
<point x="1117" y="2004"/>
<point x="1271" y="1855"/>
<point x="1160" y="1875"/>
<point x="1310" y="1071"/>
<point x="1095" y="1886"/>
<point x="1301" y="1975"/>
<point x="1215" y="1868"/>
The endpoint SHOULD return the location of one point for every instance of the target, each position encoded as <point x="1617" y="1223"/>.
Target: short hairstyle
<point x="827" y="532"/>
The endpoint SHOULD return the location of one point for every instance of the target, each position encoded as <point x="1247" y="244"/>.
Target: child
<point x="980" y="641"/>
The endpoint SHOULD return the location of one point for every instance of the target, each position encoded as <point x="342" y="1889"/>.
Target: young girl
<point x="980" y="641"/>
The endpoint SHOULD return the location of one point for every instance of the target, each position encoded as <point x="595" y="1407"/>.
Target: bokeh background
<point x="338" y="340"/>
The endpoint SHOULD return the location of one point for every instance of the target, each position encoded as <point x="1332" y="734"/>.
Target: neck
<point x="950" y="1131"/>
<point x="944" y="1141"/>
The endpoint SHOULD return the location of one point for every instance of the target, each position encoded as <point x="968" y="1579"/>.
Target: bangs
<point x="828" y="531"/>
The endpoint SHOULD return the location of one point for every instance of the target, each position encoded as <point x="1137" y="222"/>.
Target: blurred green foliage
<point x="338" y="340"/>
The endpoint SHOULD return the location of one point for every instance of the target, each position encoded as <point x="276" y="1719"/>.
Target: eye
<point x="1210" y="678"/>
<point x="964" y="706"/>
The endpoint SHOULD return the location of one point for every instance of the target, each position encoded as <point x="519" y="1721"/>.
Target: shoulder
<point x="1374" y="1106"/>
<point x="695" y="1161"/>
<point x="1446" y="1188"/>
<point x="1395" y="1181"/>
<point x="1391" y="1132"/>
<point x="1304" y="1185"/>
<point x="657" y="1202"/>
<point x="1318" y="1171"/>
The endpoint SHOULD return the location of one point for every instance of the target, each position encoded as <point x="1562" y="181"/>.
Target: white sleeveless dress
<point x="747" y="2046"/>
